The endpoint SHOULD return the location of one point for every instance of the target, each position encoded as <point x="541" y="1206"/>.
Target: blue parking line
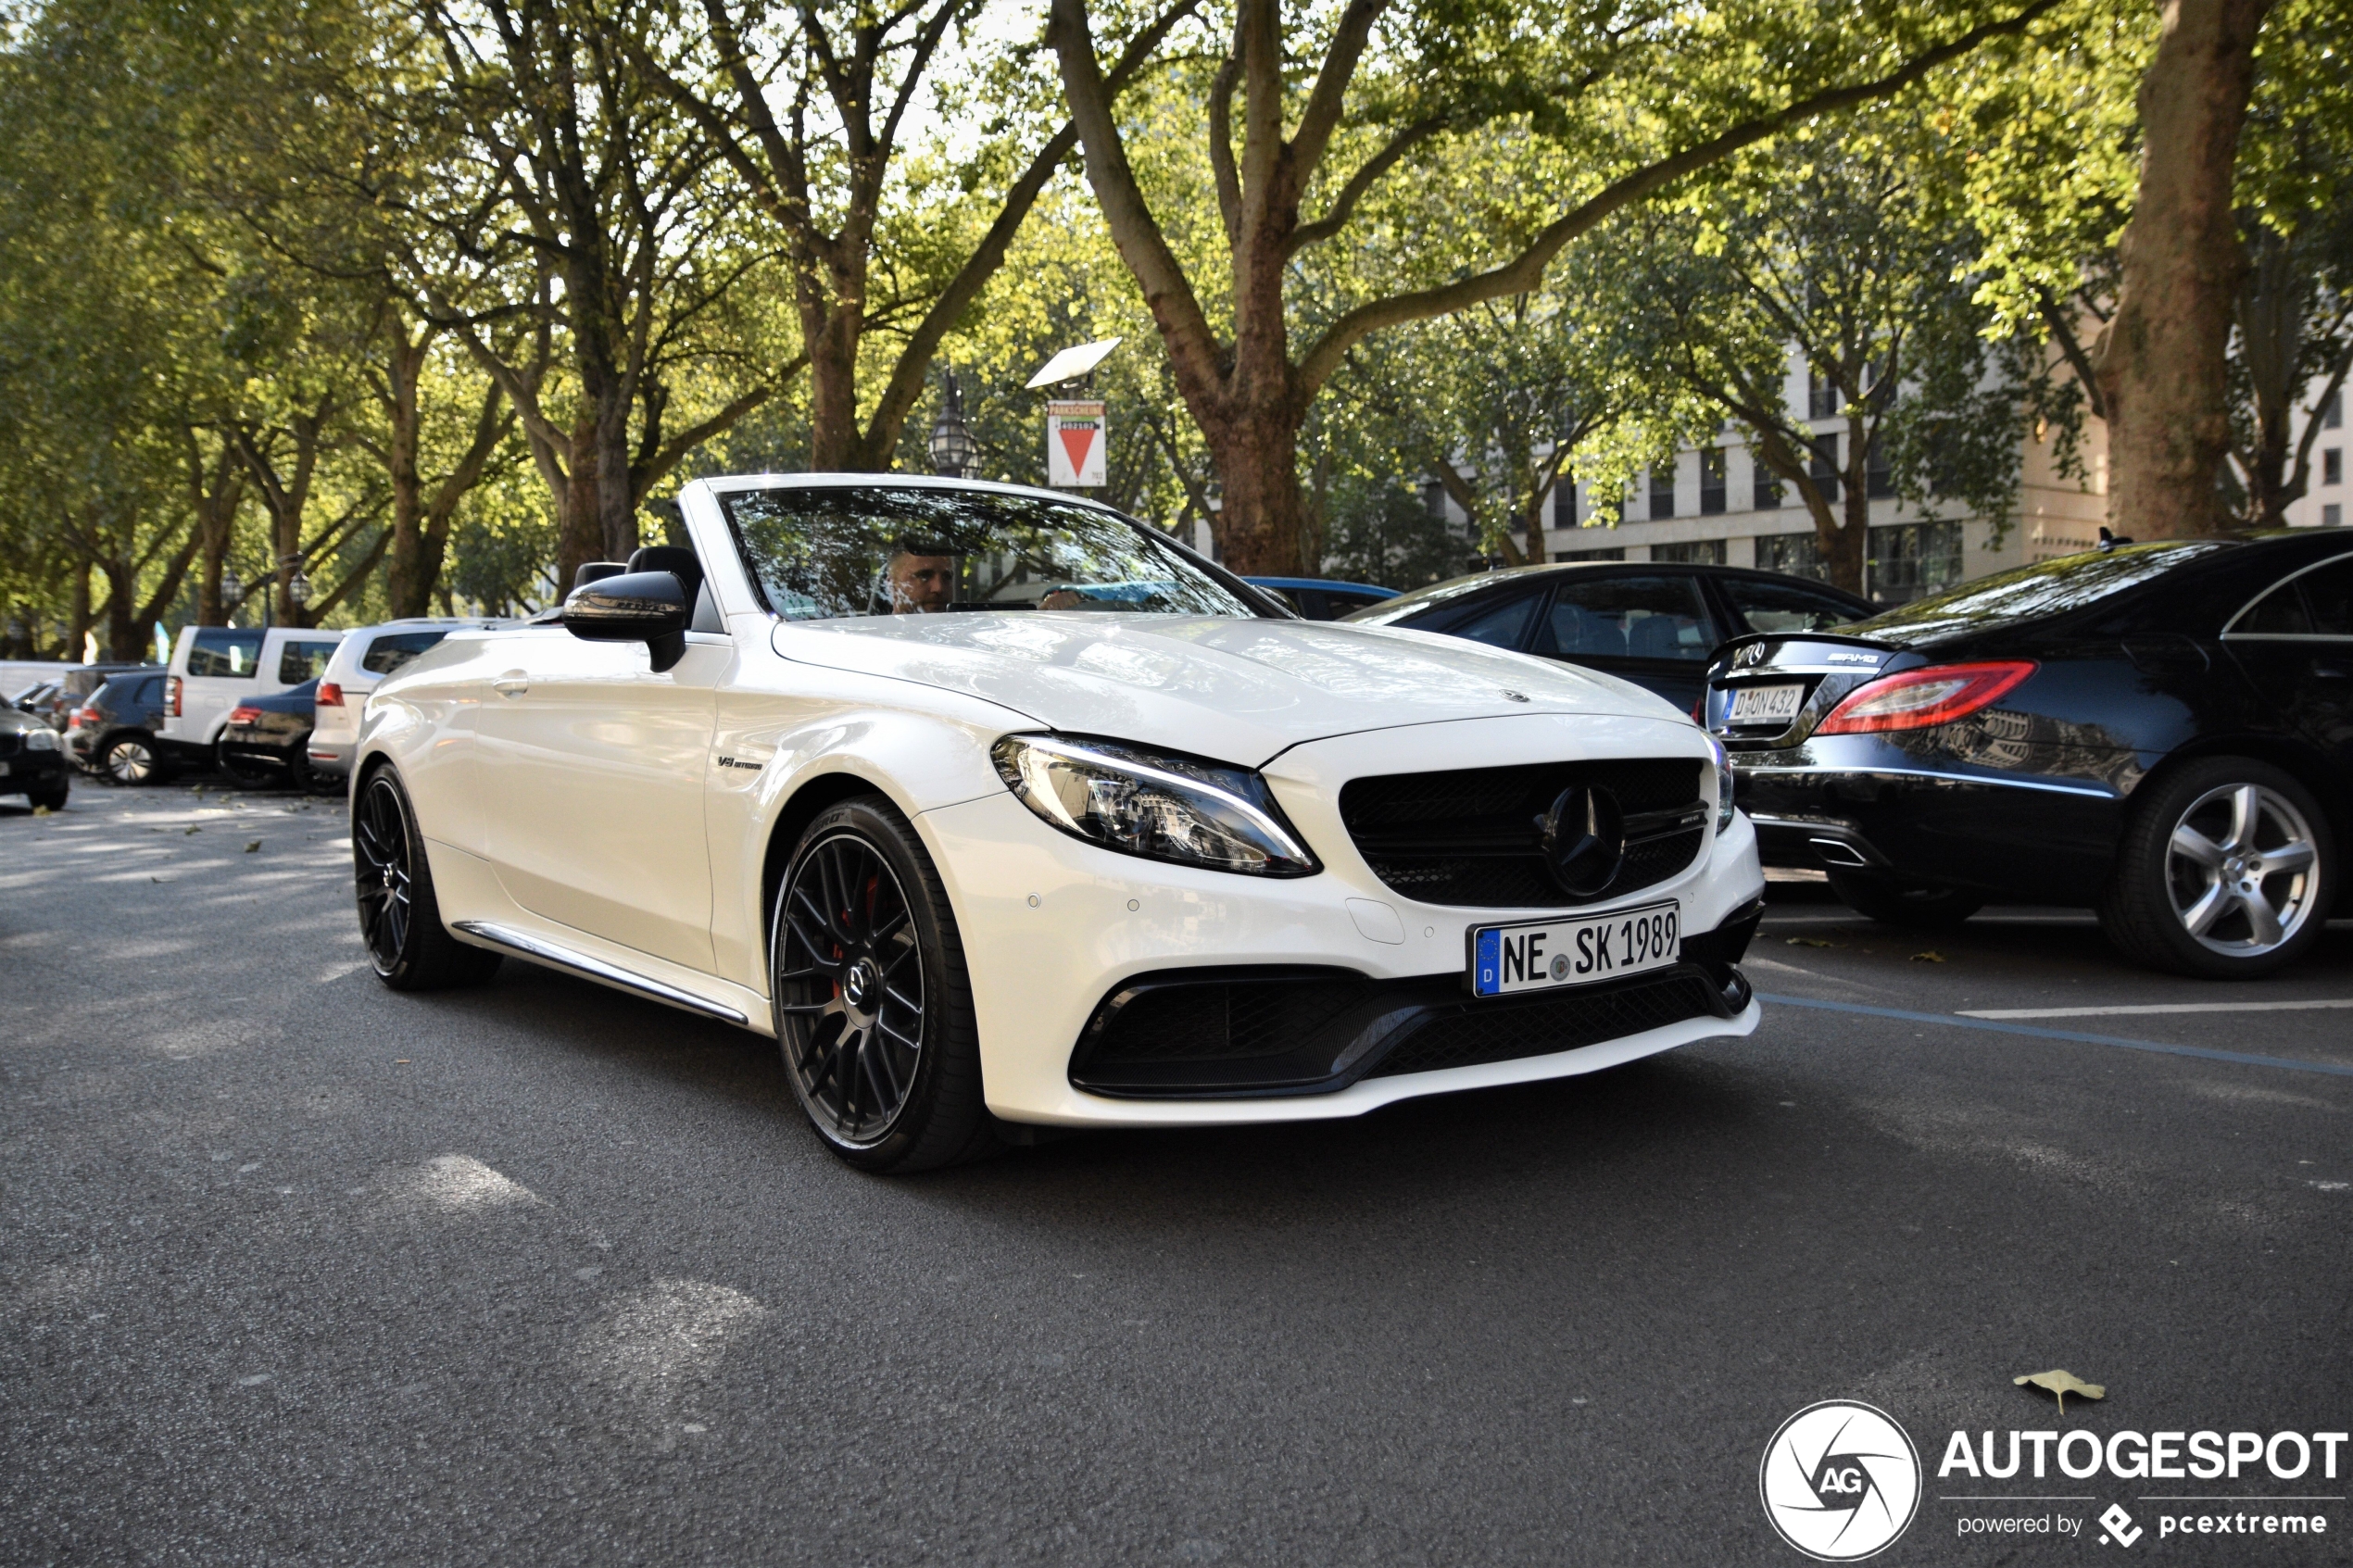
<point x="2242" y="1058"/>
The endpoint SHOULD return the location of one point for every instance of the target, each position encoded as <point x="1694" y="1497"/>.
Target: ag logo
<point x="1839" y="1481"/>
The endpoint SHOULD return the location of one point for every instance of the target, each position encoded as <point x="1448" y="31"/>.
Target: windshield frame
<point x="1261" y="605"/>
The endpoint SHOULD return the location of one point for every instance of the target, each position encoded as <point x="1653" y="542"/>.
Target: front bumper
<point x="27" y="771"/>
<point x="1855" y="802"/>
<point x="1052" y="928"/>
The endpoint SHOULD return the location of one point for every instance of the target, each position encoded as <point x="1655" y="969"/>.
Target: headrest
<point x="674" y="559"/>
<point x="596" y="571"/>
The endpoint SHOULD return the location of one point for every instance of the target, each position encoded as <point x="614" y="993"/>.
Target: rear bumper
<point x="2032" y="837"/>
<point x="329" y="757"/>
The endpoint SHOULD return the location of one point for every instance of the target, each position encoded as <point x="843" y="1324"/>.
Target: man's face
<point x="921" y="584"/>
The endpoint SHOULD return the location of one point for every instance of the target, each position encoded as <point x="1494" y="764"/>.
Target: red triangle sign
<point x="1076" y="443"/>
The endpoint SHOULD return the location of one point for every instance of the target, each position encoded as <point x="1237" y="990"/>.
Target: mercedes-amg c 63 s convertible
<point x="997" y="807"/>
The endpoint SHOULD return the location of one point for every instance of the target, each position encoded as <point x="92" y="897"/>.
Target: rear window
<point x="392" y="650"/>
<point x="224" y="652"/>
<point x="2051" y="587"/>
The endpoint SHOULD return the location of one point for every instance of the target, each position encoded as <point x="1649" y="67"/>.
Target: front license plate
<point x="1761" y="705"/>
<point x="1539" y="955"/>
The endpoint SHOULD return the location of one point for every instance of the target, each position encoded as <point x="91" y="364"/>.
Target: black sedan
<point x="2163" y="731"/>
<point x="266" y="742"/>
<point x="1654" y="624"/>
<point x="33" y="760"/>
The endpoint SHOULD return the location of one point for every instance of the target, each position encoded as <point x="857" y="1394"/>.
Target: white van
<point x="365" y="657"/>
<point x="215" y="667"/>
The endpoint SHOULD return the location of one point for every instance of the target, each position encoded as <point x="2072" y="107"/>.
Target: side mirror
<point x="636" y="607"/>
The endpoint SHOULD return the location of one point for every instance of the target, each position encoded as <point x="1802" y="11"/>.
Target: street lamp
<point x="232" y="590"/>
<point x="298" y="588"/>
<point x="951" y="443"/>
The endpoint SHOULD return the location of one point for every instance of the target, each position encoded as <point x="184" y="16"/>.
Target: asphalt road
<point x="296" y="1270"/>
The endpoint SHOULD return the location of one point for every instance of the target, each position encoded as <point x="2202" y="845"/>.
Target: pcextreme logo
<point x="1840" y="1480"/>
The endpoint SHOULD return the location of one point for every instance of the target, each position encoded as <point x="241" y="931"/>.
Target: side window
<point x="1628" y="618"/>
<point x="1342" y="603"/>
<point x="1783" y="607"/>
<point x="222" y="652"/>
<point x="1498" y="624"/>
<point x="393" y="650"/>
<point x="2279" y="613"/>
<point x="298" y="662"/>
<point x="2328" y="598"/>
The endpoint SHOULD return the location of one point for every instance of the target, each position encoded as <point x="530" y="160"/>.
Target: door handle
<point x="514" y="682"/>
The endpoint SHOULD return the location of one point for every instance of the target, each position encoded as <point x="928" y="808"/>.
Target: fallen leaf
<point x="1928" y="957"/>
<point x="2062" y="1384"/>
<point x="252" y="844"/>
<point x="1811" y="942"/>
<point x="41" y="810"/>
<point x="400" y="1062"/>
<point x="192" y="828"/>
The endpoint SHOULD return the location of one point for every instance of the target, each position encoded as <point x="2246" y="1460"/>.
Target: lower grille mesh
<point x="1506" y="1031"/>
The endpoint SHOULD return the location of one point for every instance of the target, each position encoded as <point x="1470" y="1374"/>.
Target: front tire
<point x="1910" y="905"/>
<point x="2224" y="872"/>
<point x="872" y="1003"/>
<point x="399" y="918"/>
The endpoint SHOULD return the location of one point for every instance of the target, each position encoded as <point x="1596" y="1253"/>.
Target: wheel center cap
<point x="860" y="984"/>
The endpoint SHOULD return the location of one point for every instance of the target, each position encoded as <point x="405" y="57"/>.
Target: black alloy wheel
<point x="131" y="760"/>
<point x="872" y="1005"/>
<point x="399" y="918"/>
<point x="1912" y="906"/>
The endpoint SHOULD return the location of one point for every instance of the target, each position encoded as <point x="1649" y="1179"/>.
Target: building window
<point x="1821" y="396"/>
<point x="1434" y="498"/>
<point x="1795" y="554"/>
<point x="1615" y="552"/>
<point x="1690" y="552"/>
<point x="1768" y="486"/>
<point x="2331" y="516"/>
<point x="2332" y="466"/>
<point x="1825" y="469"/>
<point x="1882" y="482"/>
<point x="1912" y="559"/>
<point x="1711" y="481"/>
<point x="1663" y="492"/>
<point x="2333" y="416"/>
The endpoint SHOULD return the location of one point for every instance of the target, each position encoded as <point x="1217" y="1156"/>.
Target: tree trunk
<point x="2162" y="361"/>
<point x="409" y="584"/>
<point x="581" y="532"/>
<point x="831" y="331"/>
<point x="77" y="630"/>
<point x="1258" y="527"/>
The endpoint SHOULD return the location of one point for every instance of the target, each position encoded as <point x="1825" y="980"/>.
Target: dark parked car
<point x="1324" y="598"/>
<point x="33" y="760"/>
<point x="114" y="732"/>
<point x="2163" y="731"/>
<point x="1653" y="622"/>
<point x="266" y="741"/>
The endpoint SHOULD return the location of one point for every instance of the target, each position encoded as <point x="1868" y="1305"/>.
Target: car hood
<point x="1231" y="689"/>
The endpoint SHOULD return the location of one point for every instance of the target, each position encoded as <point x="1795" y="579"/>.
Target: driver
<point x="920" y="579"/>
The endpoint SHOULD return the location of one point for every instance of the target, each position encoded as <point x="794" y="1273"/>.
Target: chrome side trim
<point x="541" y="950"/>
<point x="2092" y="791"/>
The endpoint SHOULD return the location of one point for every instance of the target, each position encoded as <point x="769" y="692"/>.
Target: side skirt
<point x="538" y="949"/>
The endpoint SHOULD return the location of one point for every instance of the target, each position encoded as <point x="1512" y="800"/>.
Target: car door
<point x="2296" y="644"/>
<point x="592" y="766"/>
<point x="1651" y="628"/>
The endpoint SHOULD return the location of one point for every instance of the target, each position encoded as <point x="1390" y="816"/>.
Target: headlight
<point x="1724" y="784"/>
<point x="1161" y="807"/>
<point x="41" y="740"/>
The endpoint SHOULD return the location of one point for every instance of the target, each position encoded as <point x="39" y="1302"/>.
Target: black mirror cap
<point x="636" y="607"/>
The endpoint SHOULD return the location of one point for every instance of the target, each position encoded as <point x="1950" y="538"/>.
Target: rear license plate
<point x="3" y="770"/>
<point x="1539" y="955"/>
<point x="1762" y="705"/>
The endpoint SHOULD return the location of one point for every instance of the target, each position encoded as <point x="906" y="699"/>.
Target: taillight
<point x="329" y="696"/>
<point x="174" y="687"/>
<point x="90" y="718"/>
<point x="1918" y="698"/>
<point x="245" y="713"/>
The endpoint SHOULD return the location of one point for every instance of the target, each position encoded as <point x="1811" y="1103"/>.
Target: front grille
<point x="1473" y="837"/>
<point x="9" y="741"/>
<point x="1508" y="1030"/>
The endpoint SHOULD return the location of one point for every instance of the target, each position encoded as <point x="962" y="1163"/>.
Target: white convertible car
<point x="999" y="808"/>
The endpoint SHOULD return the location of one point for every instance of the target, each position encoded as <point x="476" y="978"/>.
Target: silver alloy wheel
<point x="2242" y="870"/>
<point x="130" y="762"/>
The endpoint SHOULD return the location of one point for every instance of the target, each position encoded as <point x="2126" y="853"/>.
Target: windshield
<point x="820" y="553"/>
<point x="1407" y="604"/>
<point x="2048" y="588"/>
